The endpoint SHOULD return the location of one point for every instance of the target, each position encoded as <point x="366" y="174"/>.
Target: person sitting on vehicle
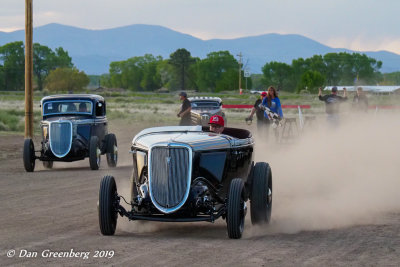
<point x="82" y="107"/>
<point x="71" y="107"/>
<point x="217" y="124"/>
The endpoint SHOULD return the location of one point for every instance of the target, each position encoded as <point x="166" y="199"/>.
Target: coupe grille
<point x="169" y="176"/>
<point x="60" y="138"/>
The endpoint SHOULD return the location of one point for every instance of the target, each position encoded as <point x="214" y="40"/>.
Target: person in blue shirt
<point x="272" y="102"/>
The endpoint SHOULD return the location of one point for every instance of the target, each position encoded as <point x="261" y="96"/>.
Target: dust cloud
<point x="328" y="178"/>
<point x="335" y="177"/>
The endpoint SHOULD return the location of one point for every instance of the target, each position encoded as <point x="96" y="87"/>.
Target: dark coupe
<point x="73" y="127"/>
<point x="188" y="174"/>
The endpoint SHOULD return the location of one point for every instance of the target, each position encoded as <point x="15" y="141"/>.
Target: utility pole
<point x="28" y="70"/>
<point x="240" y="72"/>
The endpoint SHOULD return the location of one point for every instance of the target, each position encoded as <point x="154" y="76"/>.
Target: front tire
<point x="107" y="213"/>
<point x="29" y="155"/>
<point x="236" y="209"/>
<point x="94" y="153"/>
<point x="112" y="151"/>
<point x="261" y="194"/>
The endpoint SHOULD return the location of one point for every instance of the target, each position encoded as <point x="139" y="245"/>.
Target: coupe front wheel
<point x="94" y="153"/>
<point x="29" y="155"/>
<point x="107" y="213"/>
<point x="236" y="209"/>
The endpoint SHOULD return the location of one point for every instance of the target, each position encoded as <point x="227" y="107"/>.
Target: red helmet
<point x="217" y="119"/>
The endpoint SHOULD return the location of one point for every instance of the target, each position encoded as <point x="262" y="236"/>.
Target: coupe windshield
<point x="205" y="104"/>
<point x="67" y="107"/>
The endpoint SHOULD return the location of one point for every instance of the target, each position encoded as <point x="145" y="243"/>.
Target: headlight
<point x="46" y="132"/>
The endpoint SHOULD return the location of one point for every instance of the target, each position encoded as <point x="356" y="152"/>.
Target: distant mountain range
<point x="93" y="50"/>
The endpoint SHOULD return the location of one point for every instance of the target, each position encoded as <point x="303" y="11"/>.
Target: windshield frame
<point x="76" y="103"/>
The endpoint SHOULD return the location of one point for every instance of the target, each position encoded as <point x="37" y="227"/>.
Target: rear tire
<point x="261" y="194"/>
<point x="29" y="155"/>
<point x="236" y="209"/>
<point x="94" y="153"/>
<point x="112" y="151"/>
<point x="107" y="214"/>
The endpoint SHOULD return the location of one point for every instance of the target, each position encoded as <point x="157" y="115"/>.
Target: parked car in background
<point x="205" y="107"/>
<point x="73" y="127"/>
<point x="189" y="174"/>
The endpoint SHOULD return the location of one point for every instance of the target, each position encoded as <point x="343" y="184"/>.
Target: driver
<point x="216" y="124"/>
<point x="82" y="107"/>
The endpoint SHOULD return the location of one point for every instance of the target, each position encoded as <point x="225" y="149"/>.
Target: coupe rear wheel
<point x="48" y="164"/>
<point x="236" y="209"/>
<point x="94" y="153"/>
<point x="112" y="151"/>
<point x="107" y="213"/>
<point x="29" y="155"/>
<point x="261" y="194"/>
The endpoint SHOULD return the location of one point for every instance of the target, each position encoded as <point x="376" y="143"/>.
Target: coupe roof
<point x="73" y="97"/>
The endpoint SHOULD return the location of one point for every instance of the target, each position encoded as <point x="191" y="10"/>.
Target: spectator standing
<point x="332" y="103"/>
<point x="272" y="102"/>
<point x="184" y="113"/>
<point x="360" y="100"/>
<point x="262" y="122"/>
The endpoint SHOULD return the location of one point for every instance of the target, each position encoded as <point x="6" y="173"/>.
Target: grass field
<point x="162" y="107"/>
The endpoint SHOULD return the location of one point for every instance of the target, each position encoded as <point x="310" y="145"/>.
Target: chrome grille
<point x="169" y="176"/>
<point x="60" y="137"/>
<point x="205" y="117"/>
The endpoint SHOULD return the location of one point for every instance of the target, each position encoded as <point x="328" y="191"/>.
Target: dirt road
<point x="52" y="211"/>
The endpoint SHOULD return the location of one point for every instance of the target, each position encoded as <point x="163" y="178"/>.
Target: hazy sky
<point x="355" y="24"/>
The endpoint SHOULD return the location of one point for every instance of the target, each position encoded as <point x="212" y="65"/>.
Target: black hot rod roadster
<point x="188" y="174"/>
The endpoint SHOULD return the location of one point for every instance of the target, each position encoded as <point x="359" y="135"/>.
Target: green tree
<point x="61" y="59"/>
<point x="2" y="77"/>
<point x="311" y="80"/>
<point x="278" y="74"/>
<point x="181" y="61"/>
<point x="151" y="78"/>
<point x="392" y="78"/>
<point x="13" y="65"/>
<point x="217" y="72"/>
<point x="45" y="60"/>
<point x="66" y="79"/>
<point x="136" y="73"/>
<point x="42" y="57"/>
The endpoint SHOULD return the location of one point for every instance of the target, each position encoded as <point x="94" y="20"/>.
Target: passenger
<point x="82" y="107"/>
<point x="71" y="107"/>
<point x="184" y="113"/>
<point x="332" y="102"/>
<point x="217" y="124"/>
